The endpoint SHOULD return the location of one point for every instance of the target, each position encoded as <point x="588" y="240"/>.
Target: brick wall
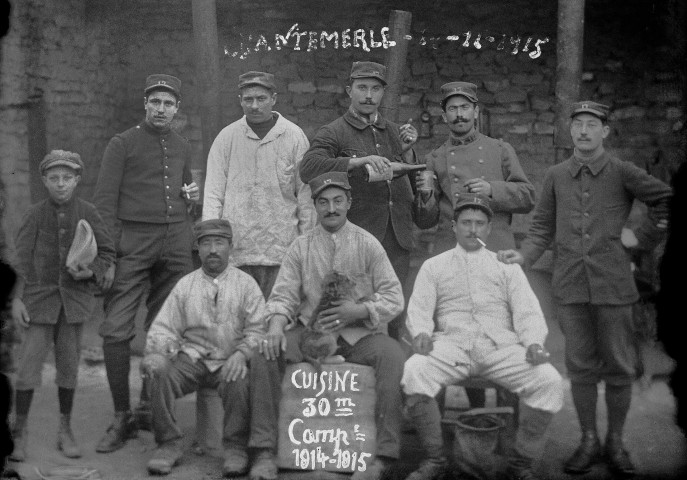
<point x="90" y="59"/>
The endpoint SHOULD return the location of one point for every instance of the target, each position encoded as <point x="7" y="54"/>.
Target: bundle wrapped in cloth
<point x="84" y="249"/>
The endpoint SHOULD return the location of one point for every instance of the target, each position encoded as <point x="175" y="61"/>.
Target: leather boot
<point x="121" y="429"/>
<point x="19" y="435"/>
<point x="586" y="455"/>
<point x="424" y="412"/>
<point x="65" y="438"/>
<point x="616" y="455"/>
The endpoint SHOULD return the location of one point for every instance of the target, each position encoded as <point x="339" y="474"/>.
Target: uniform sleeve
<point x="543" y="226"/>
<point x="387" y="302"/>
<point x="287" y="293"/>
<point x="166" y="332"/>
<point x="306" y="210"/>
<point x="106" y="197"/>
<point x="25" y="244"/>
<point x="655" y="194"/>
<point x="106" y="248"/>
<point x="253" y="312"/>
<point x="216" y="178"/>
<point x="515" y="193"/>
<point x="323" y="156"/>
<point x="423" y="300"/>
<point x="528" y="319"/>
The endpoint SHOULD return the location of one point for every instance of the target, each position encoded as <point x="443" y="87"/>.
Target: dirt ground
<point x="657" y="446"/>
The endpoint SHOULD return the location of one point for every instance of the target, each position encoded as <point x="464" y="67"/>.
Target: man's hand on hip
<point x="422" y="344"/>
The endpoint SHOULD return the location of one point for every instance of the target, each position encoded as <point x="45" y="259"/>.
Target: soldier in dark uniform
<point x="585" y="202"/>
<point x="362" y="141"/>
<point x="143" y="192"/>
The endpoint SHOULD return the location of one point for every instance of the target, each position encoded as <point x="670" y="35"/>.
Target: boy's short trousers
<point x="36" y="343"/>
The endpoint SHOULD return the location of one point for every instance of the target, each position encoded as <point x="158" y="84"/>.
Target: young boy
<point x="51" y="301"/>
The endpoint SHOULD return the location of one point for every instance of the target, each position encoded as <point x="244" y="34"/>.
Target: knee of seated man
<point x="154" y="364"/>
<point x="415" y="366"/>
<point x="550" y="382"/>
<point x="390" y="352"/>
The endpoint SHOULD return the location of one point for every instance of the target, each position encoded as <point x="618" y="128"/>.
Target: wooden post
<point x="38" y="144"/>
<point x="208" y="406"/>
<point x="207" y="70"/>
<point x="399" y="27"/>
<point x="569" y="48"/>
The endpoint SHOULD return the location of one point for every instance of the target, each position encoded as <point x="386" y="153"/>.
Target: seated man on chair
<point x="206" y="335"/>
<point x="471" y="315"/>
<point x="358" y="321"/>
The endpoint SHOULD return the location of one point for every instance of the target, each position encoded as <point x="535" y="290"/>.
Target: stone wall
<point x="89" y="58"/>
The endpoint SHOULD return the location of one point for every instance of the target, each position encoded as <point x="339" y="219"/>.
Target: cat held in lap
<point x="319" y="347"/>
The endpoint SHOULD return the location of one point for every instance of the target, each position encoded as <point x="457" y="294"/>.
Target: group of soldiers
<point x="280" y="216"/>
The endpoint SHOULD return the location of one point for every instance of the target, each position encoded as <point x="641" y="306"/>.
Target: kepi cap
<point x="368" y="70"/>
<point x="473" y="200"/>
<point x="466" y="89"/>
<point x="216" y="226"/>
<point x="329" y="179"/>
<point x="160" y="81"/>
<point x="63" y="158"/>
<point x="261" y="79"/>
<point x="587" y="106"/>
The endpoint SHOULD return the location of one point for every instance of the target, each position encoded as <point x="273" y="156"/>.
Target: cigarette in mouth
<point x="481" y="242"/>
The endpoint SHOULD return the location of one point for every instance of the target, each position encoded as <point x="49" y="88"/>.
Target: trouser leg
<point x="265" y="392"/>
<point x="584" y="397"/>
<point x="386" y="357"/>
<point x="618" y="399"/>
<point x="117" y="367"/>
<point x="425" y="415"/>
<point x="167" y="381"/>
<point x="400" y="261"/>
<point x="174" y="261"/>
<point x="67" y="338"/>
<point x="235" y="399"/>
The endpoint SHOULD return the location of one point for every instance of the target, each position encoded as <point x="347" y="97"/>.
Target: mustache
<point x="331" y="215"/>
<point x="459" y="120"/>
<point x="368" y="102"/>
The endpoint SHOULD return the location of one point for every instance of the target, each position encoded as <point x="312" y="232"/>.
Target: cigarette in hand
<point x="481" y="242"/>
<point x="188" y="197"/>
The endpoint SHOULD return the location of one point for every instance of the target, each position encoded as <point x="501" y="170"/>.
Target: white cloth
<point x="209" y="318"/>
<point x="351" y="251"/>
<point x="470" y="294"/>
<point x="540" y="386"/>
<point x="254" y="183"/>
<point x="481" y="315"/>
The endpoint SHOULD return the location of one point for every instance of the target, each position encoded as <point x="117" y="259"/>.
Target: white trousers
<point x="540" y="386"/>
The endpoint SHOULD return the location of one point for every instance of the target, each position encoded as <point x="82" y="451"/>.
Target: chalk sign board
<point x="327" y="418"/>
